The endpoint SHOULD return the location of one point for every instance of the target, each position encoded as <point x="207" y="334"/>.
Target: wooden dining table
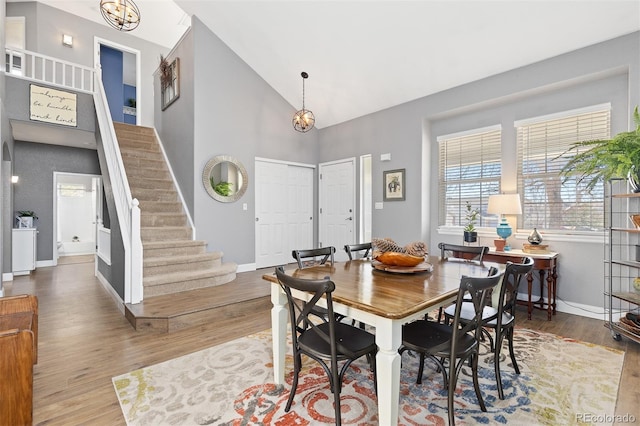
<point x="384" y="300"/>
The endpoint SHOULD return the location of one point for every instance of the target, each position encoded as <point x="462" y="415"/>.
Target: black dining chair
<point x="354" y="249"/>
<point x="318" y="256"/>
<point x="456" y="343"/>
<point x="329" y="343"/>
<point x="475" y="253"/>
<point x="466" y="253"/>
<point x="501" y="317"/>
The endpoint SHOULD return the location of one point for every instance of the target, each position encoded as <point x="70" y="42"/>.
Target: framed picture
<point x="170" y="83"/>
<point x="394" y="185"/>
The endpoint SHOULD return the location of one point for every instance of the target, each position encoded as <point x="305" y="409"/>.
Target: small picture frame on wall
<point x="169" y="82"/>
<point x="394" y="185"/>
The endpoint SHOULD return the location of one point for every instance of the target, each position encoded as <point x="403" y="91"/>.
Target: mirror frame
<point x="206" y="178"/>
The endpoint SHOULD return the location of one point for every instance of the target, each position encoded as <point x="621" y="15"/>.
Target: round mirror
<point x="225" y="178"/>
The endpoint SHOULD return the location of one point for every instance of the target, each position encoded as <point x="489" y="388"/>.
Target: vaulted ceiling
<point x="364" y="56"/>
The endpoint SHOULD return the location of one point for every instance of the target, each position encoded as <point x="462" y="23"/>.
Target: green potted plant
<point x="470" y="233"/>
<point x="600" y="160"/>
<point x="223" y="188"/>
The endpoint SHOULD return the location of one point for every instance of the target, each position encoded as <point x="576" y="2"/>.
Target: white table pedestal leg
<point x="388" y="339"/>
<point x="278" y="332"/>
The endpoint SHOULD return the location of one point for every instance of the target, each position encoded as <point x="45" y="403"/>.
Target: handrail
<point x="126" y="206"/>
<point x="35" y="66"/>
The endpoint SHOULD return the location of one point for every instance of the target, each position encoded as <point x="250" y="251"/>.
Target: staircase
<point x="173" y="261"/>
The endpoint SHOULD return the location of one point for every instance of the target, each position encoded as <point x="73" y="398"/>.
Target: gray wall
<point x="606" y="72"/>
<point x="233" y="112"/>
<point x="35" y="164"/>
<point x="18" y="90"/>
<point x="46" y="25"/>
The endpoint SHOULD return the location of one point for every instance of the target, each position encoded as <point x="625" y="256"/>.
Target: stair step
<point x="165" y="233"/>
<point x="149" y="183"/>
<point x="160" y="206"/>
<point x="148" y="144"/>
<point x="166" y="265"/>
<point x="151" y="194"/>
<point x="162" y="219"/>
<point x="189" y="280"/>
<point x="144" y="163"/>
<point x="136" y="172"/>
<point x="141" y="153"/>
<point x="154" y="249"/>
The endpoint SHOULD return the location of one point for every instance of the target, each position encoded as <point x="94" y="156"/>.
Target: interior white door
<point x="284" y="211"/>
<point x="337" y="205"/>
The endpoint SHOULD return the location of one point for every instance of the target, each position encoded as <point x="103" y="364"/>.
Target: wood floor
<point x="84" y="341"/>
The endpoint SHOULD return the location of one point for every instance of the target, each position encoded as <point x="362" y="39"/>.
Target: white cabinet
<point x="24" y="250"/>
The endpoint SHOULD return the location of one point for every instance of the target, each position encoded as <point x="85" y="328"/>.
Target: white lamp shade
<point x="504" y="204"/>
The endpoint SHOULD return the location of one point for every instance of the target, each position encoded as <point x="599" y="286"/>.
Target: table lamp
<point x="504" y="204"/>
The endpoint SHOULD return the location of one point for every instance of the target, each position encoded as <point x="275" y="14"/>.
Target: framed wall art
<point x="394" y="185"/>
<point x="53" y="106"/>
<point x="169" y="81"/>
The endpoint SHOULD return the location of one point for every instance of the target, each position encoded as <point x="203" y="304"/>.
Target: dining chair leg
<point x="297" y="362"/>
<point x="496" y="366"/>
<point x="420" y="369"/>
<point x="511" y="351"/>
<point x="476" y="383"/>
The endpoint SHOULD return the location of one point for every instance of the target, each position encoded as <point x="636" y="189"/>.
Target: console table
<point x="545" y="264"/>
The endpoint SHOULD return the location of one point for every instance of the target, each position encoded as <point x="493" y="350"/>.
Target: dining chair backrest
<point x="324" y="253"/>
<point x="352" y="249"/>
<point x="462" y="252"/>
<point x="300" y="311"/>
<point x="508" y="295"/>
<point x="476" y="291"/>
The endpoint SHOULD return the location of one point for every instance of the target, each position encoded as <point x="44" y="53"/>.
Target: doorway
<point x="337" y="202"/>
<point x="284" y="210"/>
<point x="120" y="67"/>
<point x="77" y="211"/>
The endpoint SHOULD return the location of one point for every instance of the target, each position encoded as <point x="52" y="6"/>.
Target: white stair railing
<point x="126" y="206"/>
<point x="35" y="66"/>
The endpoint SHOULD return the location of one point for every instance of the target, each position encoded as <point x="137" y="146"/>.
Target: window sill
<point x="579" y="237"/>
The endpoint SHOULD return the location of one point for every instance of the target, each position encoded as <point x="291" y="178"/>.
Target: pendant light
<point x="123" y="15"/>
<point x="304" y="119"/>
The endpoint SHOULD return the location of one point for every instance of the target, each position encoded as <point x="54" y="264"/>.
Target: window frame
<point x="492" y="135"/>
<point x="554" y="145"/>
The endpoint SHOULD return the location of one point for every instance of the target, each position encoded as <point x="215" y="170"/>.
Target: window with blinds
<point x="547" y="201"/>
<point x="469" y="170"/>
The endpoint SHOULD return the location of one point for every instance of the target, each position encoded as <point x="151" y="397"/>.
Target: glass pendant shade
<point x="123" y="15"/>
<point x="303" y="120"/>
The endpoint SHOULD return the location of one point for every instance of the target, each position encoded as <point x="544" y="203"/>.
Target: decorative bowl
<point x="397" y="259"/>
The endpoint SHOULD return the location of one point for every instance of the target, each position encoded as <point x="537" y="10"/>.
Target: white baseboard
<point x="45" y="263"/>
<point x="580" y="309"/>
<point x="116" y="298"/>
<point x="7" y="276"/>
<point x="246" y="267"/>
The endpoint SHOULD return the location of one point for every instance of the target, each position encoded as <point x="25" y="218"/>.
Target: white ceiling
<point x="364" y="56"/>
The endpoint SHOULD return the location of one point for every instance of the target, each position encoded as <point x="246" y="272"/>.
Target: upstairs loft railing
<point x="45" y="69"/>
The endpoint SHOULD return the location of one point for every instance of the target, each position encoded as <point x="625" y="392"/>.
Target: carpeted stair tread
<point x="172" y="243"/>
<point x="163" y="260"/>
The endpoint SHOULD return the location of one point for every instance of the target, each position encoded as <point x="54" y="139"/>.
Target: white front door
<point x="284" y="211"/>
<point x="337" y="205"/>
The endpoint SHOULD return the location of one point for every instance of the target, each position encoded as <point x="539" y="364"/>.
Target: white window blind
<point x="469" y="170"/>
<point x="547" y="202"/>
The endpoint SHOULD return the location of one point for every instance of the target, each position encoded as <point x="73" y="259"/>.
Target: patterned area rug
<point x="232" y="384"/>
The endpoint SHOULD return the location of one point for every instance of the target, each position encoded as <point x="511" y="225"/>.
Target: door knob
<point x="349" y="218"/>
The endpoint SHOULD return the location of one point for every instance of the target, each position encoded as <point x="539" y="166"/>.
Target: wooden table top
<point x="392" y="295"/>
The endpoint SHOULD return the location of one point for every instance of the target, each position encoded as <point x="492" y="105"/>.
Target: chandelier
<point x="304" y="119"/>
<point x="122" y="15"/>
